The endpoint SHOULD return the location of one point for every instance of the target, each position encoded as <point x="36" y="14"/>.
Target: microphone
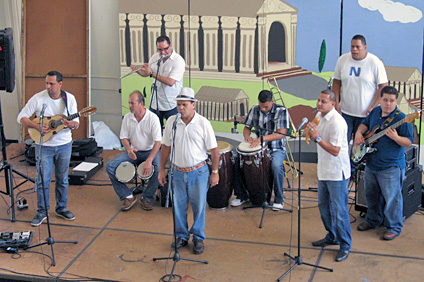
<point x="304" y="121"/>
<point x="161" y="59"/>
<point x="174" y="126"/>
<point x="43" y="110"/>
<point x="234" y="130"/>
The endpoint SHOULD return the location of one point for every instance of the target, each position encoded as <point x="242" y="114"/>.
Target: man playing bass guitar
<point x="385" y="168"/>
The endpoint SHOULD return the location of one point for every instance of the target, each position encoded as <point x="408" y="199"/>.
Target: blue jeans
<point x="191" y="186"/>
<point x="352" y="125"/>
<point x="122" y="189"/>
<point x="164" y="114"/>
<point x="332" y="204"/>
<point x="277" y="167"/>
<point x="383" y="191"/>
<point x="58" y="157"/>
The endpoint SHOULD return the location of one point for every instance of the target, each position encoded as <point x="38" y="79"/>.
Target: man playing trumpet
<point x="169" y="79"/>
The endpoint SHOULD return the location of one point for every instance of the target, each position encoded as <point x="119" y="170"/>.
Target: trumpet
<point x="132" y="72"/>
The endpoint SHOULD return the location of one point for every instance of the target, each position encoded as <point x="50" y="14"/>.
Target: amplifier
<point x="411" y="192"/>
<point x="410" y="158"/>
<point x="85" y="170"/>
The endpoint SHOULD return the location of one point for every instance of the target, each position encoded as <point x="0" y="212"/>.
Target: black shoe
<point x="180" y="243"/>
<point x="342" y="255"/>
<point x="363" y="227"/>
<point x="198" y="246"/>
<point x="38" y="219"/>
<point x="65" y="214"/>
<point x="323" y="243"/>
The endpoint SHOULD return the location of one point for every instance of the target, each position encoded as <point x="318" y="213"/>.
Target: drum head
<point x="125" y="172"/>
<point x="140" y="172"/>
<point x="223" y="147"/>
<point x="244" y="148"/>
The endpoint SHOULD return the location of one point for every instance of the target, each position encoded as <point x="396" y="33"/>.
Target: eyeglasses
<point x="164" y="49"/>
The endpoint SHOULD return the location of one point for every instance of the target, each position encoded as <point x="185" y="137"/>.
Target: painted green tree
<point x="322" y="53"/>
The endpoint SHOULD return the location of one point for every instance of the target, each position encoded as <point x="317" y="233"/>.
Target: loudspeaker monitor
<point x="7" y="60"/>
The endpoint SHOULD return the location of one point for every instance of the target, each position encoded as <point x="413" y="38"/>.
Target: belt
<point x="191" y="168"/>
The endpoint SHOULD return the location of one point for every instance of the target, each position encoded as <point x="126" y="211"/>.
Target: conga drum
<point x="125" y="172"/>
<point x="219" y="195"/>
<point x="140" y="172"/>
<point x="251" y="168"/>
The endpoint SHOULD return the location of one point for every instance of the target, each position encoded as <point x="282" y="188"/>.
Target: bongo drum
<point x="140" y="172"/>
<point x="219" y="195"/>
<point x="125" y="172"/>
<point x="251" y="172"/>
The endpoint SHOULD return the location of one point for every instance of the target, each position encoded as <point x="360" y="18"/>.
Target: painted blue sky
<point x="398" y="44"/>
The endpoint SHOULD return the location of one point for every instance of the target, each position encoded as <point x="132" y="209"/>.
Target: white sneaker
<point x="237" y="202"/>
<point x="277" y="207"/>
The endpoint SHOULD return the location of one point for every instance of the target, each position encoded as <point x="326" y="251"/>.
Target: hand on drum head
<point x="255" y="143"/>
<point x="147" y="168"/>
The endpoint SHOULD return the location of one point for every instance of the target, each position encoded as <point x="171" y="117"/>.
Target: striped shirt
<point x="275" y="119"/>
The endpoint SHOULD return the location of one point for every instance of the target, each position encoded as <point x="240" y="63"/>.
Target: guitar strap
<point x="64" y="97"/>
<point x="389" y="120"/>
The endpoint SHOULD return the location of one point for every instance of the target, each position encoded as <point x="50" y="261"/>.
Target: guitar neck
<point x="381" y="133"/>
<point x="59" y="122"/>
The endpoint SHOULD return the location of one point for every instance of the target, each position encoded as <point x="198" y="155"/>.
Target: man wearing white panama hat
<point x="194" y="136"/>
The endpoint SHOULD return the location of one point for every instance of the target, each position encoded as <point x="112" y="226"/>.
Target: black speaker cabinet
<point x="7" y="60"/>
<point x="411" y="192"/>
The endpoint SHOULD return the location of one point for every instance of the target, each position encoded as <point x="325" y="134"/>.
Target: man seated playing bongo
<point x="141" y="137"/>
<point x="271" y="117"/>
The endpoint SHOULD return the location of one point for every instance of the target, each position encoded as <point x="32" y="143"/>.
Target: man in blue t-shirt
<point x="385" y="169"/>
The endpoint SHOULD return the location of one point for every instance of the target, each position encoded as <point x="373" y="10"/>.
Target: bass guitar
<point x="360" y="151"/>
<point x="55" y="123"/>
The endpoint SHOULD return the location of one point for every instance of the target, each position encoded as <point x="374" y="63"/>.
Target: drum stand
<point x="298" y="259"/>
<point x="176" y="257"/>
<point x="49" y="240"/>
<point x="265" y="204"/>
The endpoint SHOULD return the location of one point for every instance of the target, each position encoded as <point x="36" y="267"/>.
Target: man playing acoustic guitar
<point x="385" y="168"/>
<point x="57" y="150"/>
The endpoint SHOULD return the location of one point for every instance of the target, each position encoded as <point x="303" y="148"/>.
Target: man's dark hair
<point x="163" y="38"/>
<point x="59" y="76"/>
<point x="389" y="90"/>
<point x="265" y="96"/>
<point x="360" y="37"/>
<point x="140" y="97"/>
<point x="330" y="93"/>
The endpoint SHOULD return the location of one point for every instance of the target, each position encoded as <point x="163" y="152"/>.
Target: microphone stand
<point x="265" y="204"/>
<point x="298" y="259"/>
<point x="49" y="240"/>
<point x="176" y="257"/>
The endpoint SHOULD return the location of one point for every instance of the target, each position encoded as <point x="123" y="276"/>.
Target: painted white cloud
<point x="393" y="11"/>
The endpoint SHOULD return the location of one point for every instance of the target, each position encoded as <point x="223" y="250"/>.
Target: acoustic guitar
<point x="55" y="123"/>
<point x="360" y="151"/>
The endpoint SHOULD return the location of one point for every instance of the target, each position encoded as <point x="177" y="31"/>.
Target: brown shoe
<point x="128" y="203"/>
<point x="389" y="236"/>
<point x="363" y="227"/>
<point x="147" y="206"/>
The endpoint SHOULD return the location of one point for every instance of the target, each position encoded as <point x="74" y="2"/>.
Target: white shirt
<point x="174" y="67"/>
<point x="191" y="141"/>
<point x="360" y="80"/>
<point x="54" y="107"/>
<point x="333" y="129"/>
<point x="142" y="135"/>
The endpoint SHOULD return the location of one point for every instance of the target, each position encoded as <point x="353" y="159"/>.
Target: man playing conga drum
<point x="141" y="137"/>
<point x="271" y="117"/>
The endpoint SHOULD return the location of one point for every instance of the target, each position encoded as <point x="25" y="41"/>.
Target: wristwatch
<point x="214" y="171"/>
<point x="151" y="73"/>
<point x="318" y="139"/>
